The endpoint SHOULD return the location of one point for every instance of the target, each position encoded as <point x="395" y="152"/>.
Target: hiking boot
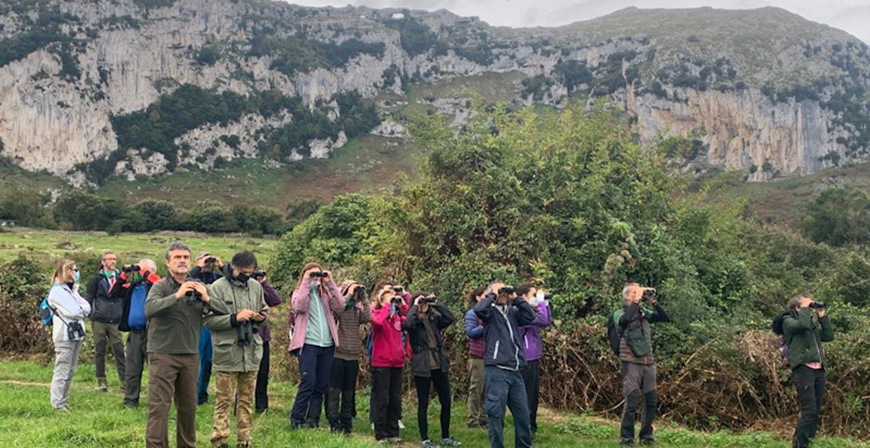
<point x="647" y="442"/>
<point x="131" y="405"/>
<point x="396" y="440"/>
<point x="102" y="385"/>
<point x="428" y="444"/>
<point x="62" y="409"/>
<point x="450" y="442"/>
<point x="626" y="442"/>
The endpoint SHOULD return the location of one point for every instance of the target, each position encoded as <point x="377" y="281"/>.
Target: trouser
<point x="340" y="395"/>
<point x="137" y="344"/>
<point x="637" y="379"/>
<point x="387" y="389"/>
<point x="108" y="334"/>
<point x="476" y="390"/>
<point x="66" y="359"/>
<point x="205" y="355"/>
<point x="531" y="379"/>
<point x="171" y="376"/>
<point x="810" y="385"/>
<point x="372" y="398"/>
<point x="261" y="400"/>
<point x="505" y="389"/>
<point x="229" y="386"/>
<point x="441" y="382"/>
<point x="315" y="364"/>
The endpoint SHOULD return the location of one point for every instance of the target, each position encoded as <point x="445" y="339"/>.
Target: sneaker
<point x="62" y="409"/>
<point x="428" y="444"/>
<point x="401" y="425"/>
<point x="102" y="385"/>
<point x="395" y="440"/>
<point x="450" y="442"/>
<point x="131" y="405"/>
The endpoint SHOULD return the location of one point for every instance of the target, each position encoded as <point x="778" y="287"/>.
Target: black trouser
<point x="637" y="378"/>
<point x="340" y="395"/>
<point x="261" y="392"/>
<point x="137" y="342"/>
<point x="810" y="384"/>
<point x="531" y="378"/>
<point x="315" y="365"/>
<point x="442" y="387"/>
<point x="387" y="388"/>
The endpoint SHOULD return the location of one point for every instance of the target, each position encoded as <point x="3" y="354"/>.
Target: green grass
<point x="130" y="247"/>
<point x="99" y="420"/>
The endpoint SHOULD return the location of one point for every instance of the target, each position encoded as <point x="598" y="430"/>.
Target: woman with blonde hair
<point x="388" y="359"/>
<point x="68" y="331"/>
<point x="313" y="340"/>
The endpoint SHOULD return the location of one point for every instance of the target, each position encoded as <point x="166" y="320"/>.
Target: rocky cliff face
<point x="88" y="63"/>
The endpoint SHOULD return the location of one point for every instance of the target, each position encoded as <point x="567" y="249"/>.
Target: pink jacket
<point x="332" y="301"/>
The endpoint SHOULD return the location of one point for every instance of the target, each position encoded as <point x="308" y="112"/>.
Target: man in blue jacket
<point x="505" y="357"/>
<point x="134" y="287"/>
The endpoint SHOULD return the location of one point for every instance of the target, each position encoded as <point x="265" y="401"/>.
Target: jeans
<point x="205" y="355"/>
<point x="442" y="386"/>
<point x="637" y="378"/>
<point x="810" y="384"/>
<point x="315" y="364"/>
<point x="340" y="395"/>
<point x="532" y="378"/>
<point x="387" y="392"/>
<point x="505" y="388"/>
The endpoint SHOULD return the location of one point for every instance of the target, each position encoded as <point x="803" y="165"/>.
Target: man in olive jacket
<point x="806" y="327"/>
<point x="239" y="305"/>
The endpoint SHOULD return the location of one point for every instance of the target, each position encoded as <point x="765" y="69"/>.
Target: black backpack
<point x="614" y="331"/>
<point x="781" y="343"/>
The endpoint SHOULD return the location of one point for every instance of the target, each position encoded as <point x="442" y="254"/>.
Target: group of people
<point x="208" y="318"/>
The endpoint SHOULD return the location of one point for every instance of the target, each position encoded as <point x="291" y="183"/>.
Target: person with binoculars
<point x="208" y="269"/>
<point x="638" y="370"/>
<point x="313" y="339"/>
<point x="137" y="280"/>
<point x="430" y="365"/>
<point x="534" y="346"/>
<point x="388" y="359"/>
<point x="505" y="357"/>
<point x="340" y="394"/>
<point x="805" y="327"/>
<point x="239" y="306"/>
<point x="68" y="310"/>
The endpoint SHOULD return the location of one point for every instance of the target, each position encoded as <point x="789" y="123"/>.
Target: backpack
<point x="781" y="343"/>
<point x="46" y="312"/>
<point x="614" y="331"/>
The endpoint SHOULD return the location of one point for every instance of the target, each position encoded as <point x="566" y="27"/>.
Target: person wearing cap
<point x="207" y="271"/>
<point x="340" y="393"/>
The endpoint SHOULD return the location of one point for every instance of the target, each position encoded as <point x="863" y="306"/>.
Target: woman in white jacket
<point x="68" y="330"/>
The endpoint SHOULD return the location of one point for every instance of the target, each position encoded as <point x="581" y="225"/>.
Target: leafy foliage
<point x="297" y="53"/>
<point x="838" y="217"/>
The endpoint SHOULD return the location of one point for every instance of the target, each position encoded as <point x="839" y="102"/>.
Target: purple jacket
<point x="532" y="333"/>
<point x="273" y="299"/>
<point x="475" y="333"/>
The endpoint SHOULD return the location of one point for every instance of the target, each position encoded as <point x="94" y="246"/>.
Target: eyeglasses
<point x="74" y="269"/>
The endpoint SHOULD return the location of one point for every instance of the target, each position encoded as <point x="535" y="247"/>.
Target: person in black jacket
<point x="504" y="358"/>
<point x="429" y="364"/>
<point x="134" y="287"/>
<point x="105" y="316"/>
<point x="208" y="270"/>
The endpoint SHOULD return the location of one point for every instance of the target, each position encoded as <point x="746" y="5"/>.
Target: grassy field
<point x="129" y="247"/>
<point x="99" y="420"/>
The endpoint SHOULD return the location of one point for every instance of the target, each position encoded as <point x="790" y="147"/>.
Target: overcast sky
<point x="850" y="15"/>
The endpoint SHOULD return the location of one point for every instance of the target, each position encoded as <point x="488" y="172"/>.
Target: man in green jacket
<point x="805" y="328"/>
<point x="238" y="305"/>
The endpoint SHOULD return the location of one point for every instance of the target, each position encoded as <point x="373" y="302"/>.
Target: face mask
<point x="315" y="284"/>
<point x="77" y="276"/>
<point x="242" y="277"/>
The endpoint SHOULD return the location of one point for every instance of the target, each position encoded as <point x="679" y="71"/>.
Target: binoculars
<point x="131" y="268"/>
<point x="318" y="275"/>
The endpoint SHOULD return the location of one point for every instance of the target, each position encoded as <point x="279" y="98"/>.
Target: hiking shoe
<point x="131" y="405"/>
<point x="243" y="445"/>
<point x="428" y="444"/>
<point x="396" y="440"/>
<point x="626" y="442"/>
<point x="647" y="442"/>
<point x="401" y="425"/>
<point x="449" y="442"/>
<point x="102" y="385"/>
<point x="62" y="409"/>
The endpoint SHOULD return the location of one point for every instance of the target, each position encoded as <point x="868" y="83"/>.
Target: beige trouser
<point x="227" y="384"/>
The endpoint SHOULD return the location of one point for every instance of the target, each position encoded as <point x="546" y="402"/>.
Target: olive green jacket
<point x="804" y="334"/>
<point x="228" y="297"/>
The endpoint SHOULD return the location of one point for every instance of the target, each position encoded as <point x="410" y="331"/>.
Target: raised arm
<point x="483" y="309"/>
<point x="337" y="301"/>
<point x="827" y="329"/>
<point x="659" y="315"/>
<point x="302" y="297"/>
<point x="543" y="318"/>
<point x="446" y="318"/>
<point x="803" y="322"/>
<point x="525" y="314"/>
<point x="473" y="329"/>
<point x="158" y="300"/>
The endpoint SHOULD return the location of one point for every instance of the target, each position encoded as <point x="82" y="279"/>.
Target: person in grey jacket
<point x="504" y="358"/>
<point x="68" y="332"/>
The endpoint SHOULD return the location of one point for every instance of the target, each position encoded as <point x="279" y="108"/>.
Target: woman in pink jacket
<point x="388" y="359"/>
<point x="313" y="339"/>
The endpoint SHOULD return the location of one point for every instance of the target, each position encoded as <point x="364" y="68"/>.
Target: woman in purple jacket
<point x="476" y="372"/>
<point x="531" y="335"/>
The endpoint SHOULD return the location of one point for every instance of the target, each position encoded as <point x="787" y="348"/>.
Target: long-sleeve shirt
<point x="349" y="321"/>
<point x="532" y="332"/>
<point x="475" y="333"/>
<point x="174" y="324"/>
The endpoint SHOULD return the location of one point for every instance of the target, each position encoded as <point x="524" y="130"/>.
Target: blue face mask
<point x="77" y="276"/>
